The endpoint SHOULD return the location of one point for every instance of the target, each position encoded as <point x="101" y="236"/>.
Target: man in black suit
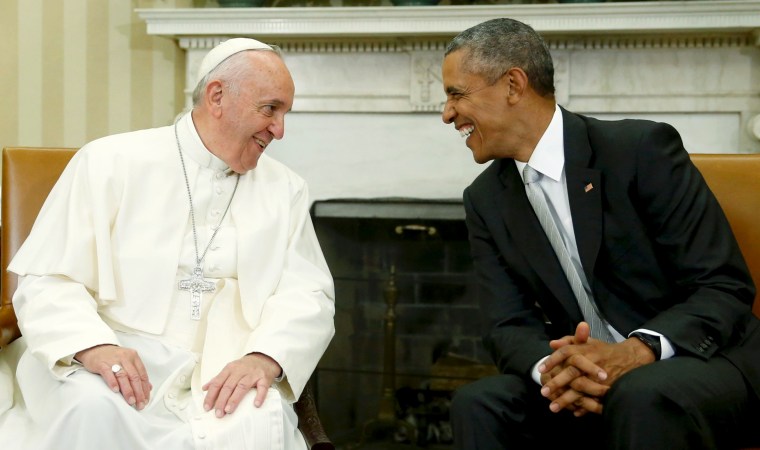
<point x="673" y="361"/>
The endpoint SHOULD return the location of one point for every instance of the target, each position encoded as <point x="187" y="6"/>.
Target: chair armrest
<point x="309" y="423"/>
<point x="8" y="328"/>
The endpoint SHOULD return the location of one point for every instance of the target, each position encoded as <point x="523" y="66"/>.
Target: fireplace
<point x="403" y="264"/>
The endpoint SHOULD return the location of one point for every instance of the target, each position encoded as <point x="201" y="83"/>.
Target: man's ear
<point x="517" y="84"/>
<point x="213" y="97"/>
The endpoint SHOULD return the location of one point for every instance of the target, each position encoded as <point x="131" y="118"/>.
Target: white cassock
<point x="102" y="265"/>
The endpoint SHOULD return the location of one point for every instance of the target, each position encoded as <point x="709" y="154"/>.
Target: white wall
<point x="349" y="155"/>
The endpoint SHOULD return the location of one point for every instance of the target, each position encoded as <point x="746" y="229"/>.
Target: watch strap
<point x="651" y="341"/>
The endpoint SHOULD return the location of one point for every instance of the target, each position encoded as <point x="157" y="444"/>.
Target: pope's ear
<point x="213" y="96"/>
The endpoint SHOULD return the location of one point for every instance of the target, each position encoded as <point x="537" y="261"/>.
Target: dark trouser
<point x="682" y="403"/>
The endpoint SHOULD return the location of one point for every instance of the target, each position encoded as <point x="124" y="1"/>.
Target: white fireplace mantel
<point x="369" y="92"/>
<point x="387" y="59"/>
<point x="374" y="22"/>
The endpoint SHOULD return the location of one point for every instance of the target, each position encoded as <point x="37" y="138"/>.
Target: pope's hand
<point x="226" y="390"/>
<point x="131" y="379"/>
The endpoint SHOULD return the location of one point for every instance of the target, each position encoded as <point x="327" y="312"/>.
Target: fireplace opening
<point x="407" y="319"/>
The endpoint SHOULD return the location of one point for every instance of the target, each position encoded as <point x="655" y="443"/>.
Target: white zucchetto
<point x="224" y="51"/>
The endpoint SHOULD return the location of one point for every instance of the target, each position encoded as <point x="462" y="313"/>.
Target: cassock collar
<point x="193" y="147"/>
<point x="549" y="155"/>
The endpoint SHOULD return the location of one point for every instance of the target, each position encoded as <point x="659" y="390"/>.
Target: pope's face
<point x="480" y="111"/>
<point x="254" y="113"/>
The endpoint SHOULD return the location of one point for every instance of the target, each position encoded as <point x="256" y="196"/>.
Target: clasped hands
<point x="581" y="370"/>
<point x="224" y="392"/>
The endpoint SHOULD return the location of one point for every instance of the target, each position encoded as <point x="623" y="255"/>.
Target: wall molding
<point x="615" y="17"/>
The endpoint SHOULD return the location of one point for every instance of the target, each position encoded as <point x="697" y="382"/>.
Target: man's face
<point x="254" y="115"/>
<point x="478" y="110"/>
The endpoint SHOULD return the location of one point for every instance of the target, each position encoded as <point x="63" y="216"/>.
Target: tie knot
<point x="530" y="175"/>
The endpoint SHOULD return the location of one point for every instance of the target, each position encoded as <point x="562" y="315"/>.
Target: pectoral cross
<point x="197" y="286"/>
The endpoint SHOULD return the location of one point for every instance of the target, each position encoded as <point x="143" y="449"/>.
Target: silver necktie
<point x="540" y="206"/>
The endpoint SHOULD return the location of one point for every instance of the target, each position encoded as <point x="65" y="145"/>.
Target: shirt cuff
<point x="535" y="373"/>
<point x="668" y="351"/>
<point x="66" y="366"/>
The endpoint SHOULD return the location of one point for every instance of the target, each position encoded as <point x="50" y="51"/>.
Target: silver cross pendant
<point x="197" y="286"/>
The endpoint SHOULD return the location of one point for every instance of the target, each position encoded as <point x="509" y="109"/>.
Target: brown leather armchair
<point x="28" y="176"/>
<point x="735" y="181"/>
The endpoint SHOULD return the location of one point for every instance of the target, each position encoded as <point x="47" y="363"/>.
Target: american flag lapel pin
<point x="588" y="187"/>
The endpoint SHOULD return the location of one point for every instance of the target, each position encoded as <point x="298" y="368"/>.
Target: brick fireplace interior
<point x="407" y="320"/>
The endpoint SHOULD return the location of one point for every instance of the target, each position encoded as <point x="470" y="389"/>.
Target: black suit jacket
<point x="655" y="246"/>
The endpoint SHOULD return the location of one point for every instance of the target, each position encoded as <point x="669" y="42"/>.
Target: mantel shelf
<point x="652" y="17"/>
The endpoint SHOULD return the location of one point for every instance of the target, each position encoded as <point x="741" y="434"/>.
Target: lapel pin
<point x="588" y="187"/>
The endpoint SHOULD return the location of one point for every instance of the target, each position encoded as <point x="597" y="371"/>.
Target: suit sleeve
<point x="697" y="250"/>
<point x="516" y="334"/>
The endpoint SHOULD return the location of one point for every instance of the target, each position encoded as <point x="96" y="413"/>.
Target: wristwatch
<point x="651" y="341"/>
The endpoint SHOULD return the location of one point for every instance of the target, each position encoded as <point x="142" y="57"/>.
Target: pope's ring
<point x="116" y="368"/>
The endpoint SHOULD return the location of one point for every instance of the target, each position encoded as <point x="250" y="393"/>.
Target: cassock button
<point x="219" y="190"/>
<point x="201" y="435"/>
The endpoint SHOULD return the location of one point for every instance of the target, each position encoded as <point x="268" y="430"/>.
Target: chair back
<point x="28" y="176"/>
<point x="735" y="181"/>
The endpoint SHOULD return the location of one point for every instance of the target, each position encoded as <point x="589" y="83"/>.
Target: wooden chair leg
<point x="308" y="420"/>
